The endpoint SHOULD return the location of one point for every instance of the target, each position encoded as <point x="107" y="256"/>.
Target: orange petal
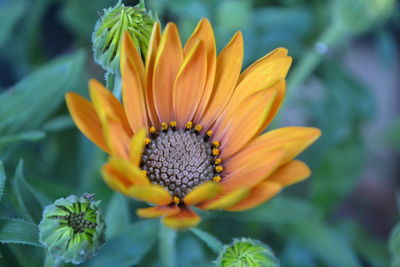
<point x="189" y="84"/>
<point x="86" y="119"/>
<point x="150" y="60"/>
<point x="151" y="193"/>
<point x="184" y="219"/>
<point x="204" y="32"/>
<point x="292" y="139"/>
<point x="113" y="180"/>
<point x="262" y="74"/>
<point x="106" y="104"/>
<point x="133" y="84"/>
<point x="136" y="147"/>
<point x="155" y="212"/>
<point x="258" y="195"/>
<point x="291" y="173"/>
<point x="239" y="127"/>
<point x="123" y="171"/>
<point x="168" y="61"/>
<point x="280" y="88"/>
<point x="229" y="64"/>
<point x="252" y="170"/>
<point x="116" y="137"/>
<point x="202" y="193"/>
<point x="225" y="201"/>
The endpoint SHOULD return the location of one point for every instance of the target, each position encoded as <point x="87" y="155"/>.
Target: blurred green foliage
<point x="46" y="51"/>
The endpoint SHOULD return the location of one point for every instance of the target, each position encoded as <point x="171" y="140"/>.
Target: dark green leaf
<point x="29" y="103"/>
<point x="27" y="199"/>
<point x="128" y="247"/>
<point x="10" y="13"/>
<point x="394" y="246"/>
<point x="33" y="135"/>
<point x="2" y="179"/>
<point x="18" y="232"/>
<point x="329" y="245"/>
<point x="117" y="215"/>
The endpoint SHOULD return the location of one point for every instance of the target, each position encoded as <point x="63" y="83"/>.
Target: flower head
<point x="188" y="131"/>
<point x="72" y="228"/>
<point x="247" y="252"/>
<point x="109" y="29"/>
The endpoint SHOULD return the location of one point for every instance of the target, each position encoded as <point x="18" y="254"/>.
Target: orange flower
<point x="188" y="131"/>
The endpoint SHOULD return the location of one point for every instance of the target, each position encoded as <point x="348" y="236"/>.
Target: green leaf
<point x="27" y="199"/>
<point x="2" y="179"/>
<point x="211" y="241"/>
<point x="33" y="136"/>
<point x="10" y="13"/>
<point x="394" y="246"/>
<point x="29" y="103"/>
<point x="14" y="231"/>
<point x="128" y="247"/>
<point x="329" y="245"/>
<point x="117" y="215"/>
<point x="59" y="123"/>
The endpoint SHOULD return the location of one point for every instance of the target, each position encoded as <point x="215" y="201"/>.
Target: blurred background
<point x="345" y="79"/>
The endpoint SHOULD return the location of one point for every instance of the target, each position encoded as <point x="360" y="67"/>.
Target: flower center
<point x="76" y="220"/>
<point x="180" y="159"/>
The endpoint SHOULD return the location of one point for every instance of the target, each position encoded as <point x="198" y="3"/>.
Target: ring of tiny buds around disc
<point x="181" y="159"/>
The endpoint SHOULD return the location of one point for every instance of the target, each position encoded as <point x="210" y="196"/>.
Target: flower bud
<point x="109" y="29"/>
<point x="247" y="252"/>
<point x="72" y="228"/>
<point x="358" y="16"/>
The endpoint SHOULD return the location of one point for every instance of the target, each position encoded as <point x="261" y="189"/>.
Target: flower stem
<point x="313" y="57"/>
<point x="49" y="261"/>
<point x="167" y="246"/>
<point x="210" y="240"/>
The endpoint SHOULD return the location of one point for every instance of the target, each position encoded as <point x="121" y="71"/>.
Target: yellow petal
<point x="114" y="179"/>
<point x="106" y="104"/>
<point x="293" y="172"/>
<point x="151" y="193"/>
<point x="292" y="139"/>
<point x="229" y="64"/>
<point x="132" y="74"/>
<point x="252" y="170"/>
<point x="202" y="193"/>
<point x="238" y="128"/>
<point x="133" y="175"/>
<point x="184" y="219"/>
<point x="136" y="147"/>
<point x="150" y="60"/>
<point x="258" y="195"/>
<point x="168" y="61"/>
<point x="225" y="201"/>
<point x="85" y="117"/>
<point x="189" y="84"/>
<point x="204" y="32"/>
<point x="159" y="211"/>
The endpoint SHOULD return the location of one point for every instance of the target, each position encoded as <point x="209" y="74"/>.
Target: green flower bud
<point x="245" y="252"/>
<point x="72" y="228"/>
<point x="358" y="16"/>
<point x="109" y="29"/>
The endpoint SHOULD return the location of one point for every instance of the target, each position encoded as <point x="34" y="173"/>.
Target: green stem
<point x="167" y="246"/>
<point x="49" y="261"/>
<point x="210" y="240"/>
<point x="312" y="58"/>
<point x="110" y="78"/>
<point x="113" y="82"/>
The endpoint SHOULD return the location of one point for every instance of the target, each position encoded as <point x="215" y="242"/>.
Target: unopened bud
<point x="247" y="252"/>
<point x="109" y="29"/>
<point x="72" y="228"/>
